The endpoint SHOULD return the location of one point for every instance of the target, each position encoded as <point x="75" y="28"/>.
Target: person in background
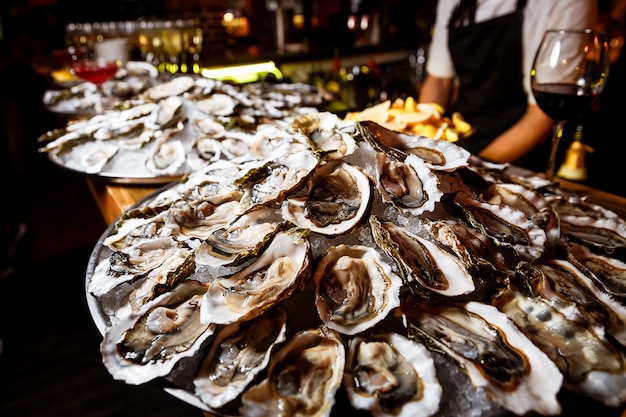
<point x="603" y="130"/>
<point x="479" y="64"/>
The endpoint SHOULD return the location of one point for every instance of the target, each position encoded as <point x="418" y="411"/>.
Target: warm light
<point x="228" y="17"/>
<point x="365" y="22"/>
<point x="352" y="22"/>
<point x="298" y="21"/>
<point x="243" y="73"/>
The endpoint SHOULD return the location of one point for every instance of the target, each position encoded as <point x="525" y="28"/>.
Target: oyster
<point x="271" y="138"/>
<point x="173" y="270"/>
<point x="437" y="154"/>
<point x="271" y="181"/>
<point x="391" y="376"/>
<point x="590" y="364"/>
<point x="610" y="272"/>
<point x="204" y="151"/>
<point x="199" y="219"/>
<point x="167" y="158"/>
<point x="571" y="282"/>
<point x="589" y="223"/>
<point x="328" y="134"/>
<point x="338" y="198"/>
<point x="495" y="354"/>
<point x="174" y="87"/>
<point x="149" y="343"/>
<point x="506" y="225"/>
<point x="480" y="255"/>
<point x="354" y="288"/>
<point x="167" y="109"/>
<point x="209" y="188"/>
<point x="241" y="239"/>
<point x="302" y="378"/>
<point x="280" y="270"/>
<point x="238" y="353"/>
<point x="130" y="263"/>
<point x="409" y="185"/>
<point x="424" y="264"/>
<point x="130" y="230"/>
<point x="209" y="128"/>
<point x="94" y="160"/>
<point x="217" y="104"/>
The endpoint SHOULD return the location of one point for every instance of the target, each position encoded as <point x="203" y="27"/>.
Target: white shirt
<point x="539" y="15"/>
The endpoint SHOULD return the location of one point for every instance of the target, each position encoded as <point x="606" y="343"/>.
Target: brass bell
<point x="573" y="167"/>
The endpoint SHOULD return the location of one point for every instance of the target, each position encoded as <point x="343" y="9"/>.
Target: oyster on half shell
<point x="149" y="343"/>
<point x="493" y="352"/>
<point x="242" y="238"/>
<point x="391" y="376"/>
<point x="302" y="379"/>
<point x="238" y="353"/>
<point x="338" y="197"/>
<point x="354" y="288"/>
<point x="282" y="269"/>
<point x="424" y="265"/>
<point x="408" y="184"/>
<point x="590" y="364"/>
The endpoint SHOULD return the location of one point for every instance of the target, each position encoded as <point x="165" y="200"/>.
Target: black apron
<point x="487" y="58"/>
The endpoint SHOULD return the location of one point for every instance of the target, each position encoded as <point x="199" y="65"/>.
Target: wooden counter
<point x="114" y="199"/>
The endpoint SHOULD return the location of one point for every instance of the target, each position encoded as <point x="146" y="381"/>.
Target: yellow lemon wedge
<point x="398" y="103"/>
<point x="462" y="127"/>
<point x="413" y="118"/>
<point x="396" y="125"/>
<point x="409" y="104"/>
<point x="424" y="130"/>
<point x="378" y="113"/>
<point x="437" y="107"/>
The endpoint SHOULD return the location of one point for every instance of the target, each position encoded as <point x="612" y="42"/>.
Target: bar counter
<point x="114" y="199"/>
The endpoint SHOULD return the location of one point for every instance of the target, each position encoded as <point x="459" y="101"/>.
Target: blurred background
<point x="360" y="51"/>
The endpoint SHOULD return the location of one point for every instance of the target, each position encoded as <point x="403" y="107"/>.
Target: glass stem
<point x="557" y="132"/>
<point x="100" y="99"/>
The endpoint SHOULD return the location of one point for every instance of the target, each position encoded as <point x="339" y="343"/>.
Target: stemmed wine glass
<point x="96" y="71"/>
<point x="568" y="74"/>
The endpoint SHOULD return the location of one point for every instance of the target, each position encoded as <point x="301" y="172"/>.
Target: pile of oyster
<point x="352" y="269"/>
<point x="164" y="129"/>
<point x="82" y="98"/>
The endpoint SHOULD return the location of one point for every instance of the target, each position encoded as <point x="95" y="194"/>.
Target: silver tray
<point x="302" y="314"/>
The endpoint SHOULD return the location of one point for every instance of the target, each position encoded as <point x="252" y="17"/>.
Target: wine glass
<point x="568" y="74"/>
<point x="96" y="71"/>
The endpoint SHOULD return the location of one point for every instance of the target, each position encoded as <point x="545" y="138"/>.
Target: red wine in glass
<point x="568" y="73"/>
<point x="563" y="101"/>
<point x="97" y="72"/>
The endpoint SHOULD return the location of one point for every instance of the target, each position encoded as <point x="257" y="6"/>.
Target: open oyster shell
<point x="238" y="353"/>
<point x="338" y="197"/>
<point x="425" y="265"/>
<point x="391" y="376"/>
<point x="590" y="364"/>
<point x="354" y="288"/>
<point x="280" y="270"/>
<point x="302" y="378"/>
<point x="494" y="353"/>
<point x="149" y="343"/>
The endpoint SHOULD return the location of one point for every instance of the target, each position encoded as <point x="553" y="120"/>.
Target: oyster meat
<point x="280" y="270"/>
<point x="338" y="198"/>
<point x="149" y="343"/>
<point x="391" y="376"/>
<point x="354" y="288"/>
<point x="238" y="353"/>
<point x="494" y="353"/>
<point x="302" y="378"/>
